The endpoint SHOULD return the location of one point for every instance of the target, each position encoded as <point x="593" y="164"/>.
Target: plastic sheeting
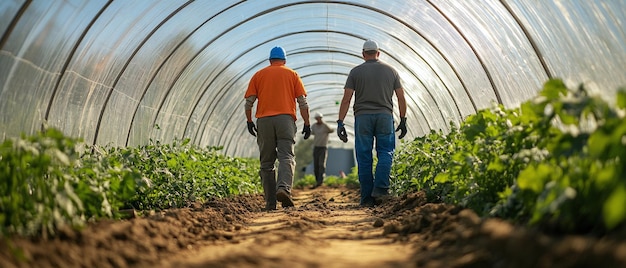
<point x="125" y="72"/>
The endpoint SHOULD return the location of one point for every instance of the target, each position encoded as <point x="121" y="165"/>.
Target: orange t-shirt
<point x="276" y="87"/>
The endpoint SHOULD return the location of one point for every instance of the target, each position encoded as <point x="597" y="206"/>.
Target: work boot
<point x="268" y="179"/>
<point x="317" y="184"/>
<point x="284" y="197"/>
<point x="380" y="195"/>
<point x="378" y="192"/>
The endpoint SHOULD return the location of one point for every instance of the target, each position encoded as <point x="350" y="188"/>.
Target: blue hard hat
<point x="277" y="53"/>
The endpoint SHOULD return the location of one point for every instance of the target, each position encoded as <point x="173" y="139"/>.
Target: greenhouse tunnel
<point x="123" y="73"/>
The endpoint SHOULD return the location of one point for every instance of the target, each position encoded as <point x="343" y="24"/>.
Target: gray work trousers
<point x="276" y="139"/>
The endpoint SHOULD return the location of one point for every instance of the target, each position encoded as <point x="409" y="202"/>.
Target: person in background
<point x="320" y="131"/>
<point x="277" y="89"/>
<point x="373" y="83"/>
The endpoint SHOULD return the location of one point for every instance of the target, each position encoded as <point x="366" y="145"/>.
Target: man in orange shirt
<point x="277" y="88"/>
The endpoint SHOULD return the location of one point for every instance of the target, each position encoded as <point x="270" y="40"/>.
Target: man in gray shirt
<point x="320" y="131"/>
<point x="373" y="83"/>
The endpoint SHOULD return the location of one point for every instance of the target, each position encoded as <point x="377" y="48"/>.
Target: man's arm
<point x="345" y="103"/>
<point x="402" y="107"/>
<point x="305" y="115"/>
<point x="248" y="107"/>
<point x="401" y="102"/>
<point x="304" y="109"/>
<point x="249" y="115"/>
<point x="343" y="111"/>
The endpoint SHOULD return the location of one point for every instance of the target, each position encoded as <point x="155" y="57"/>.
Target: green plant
<point x="557" y="161"/>
<point x="181" y="173"/>
<point x="48" y="180"/>
<point x="44" y="185"/>
<point x="580" y="186"/>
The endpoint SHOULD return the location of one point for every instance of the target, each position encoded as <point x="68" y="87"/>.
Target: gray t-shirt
<point x="374" y="83"/>
<point x="320" y="133"/>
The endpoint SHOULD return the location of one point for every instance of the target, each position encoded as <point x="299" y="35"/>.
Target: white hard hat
<point x="318" y="115"/>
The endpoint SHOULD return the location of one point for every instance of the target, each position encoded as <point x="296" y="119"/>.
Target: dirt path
<point x="325" y="229"/>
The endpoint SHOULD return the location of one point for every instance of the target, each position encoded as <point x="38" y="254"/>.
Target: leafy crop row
<point x="178" y="174"/>
<point x="558" y="161"/>
<point x="48" y="180"/>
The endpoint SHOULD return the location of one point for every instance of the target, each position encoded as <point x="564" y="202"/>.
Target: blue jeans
<point x="367" y="128"/>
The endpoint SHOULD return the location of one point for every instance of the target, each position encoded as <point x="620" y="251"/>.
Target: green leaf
<point x="534" y="178"/>
<point x="172" y="163"/>
<point x="621" y="98"/>
<point x="568" y="119"/>
<point x="553" y="89"/>
<point x="496" y="165"/>
<point x="442" y="177"/>
<point x="605" y="176"/>
<point x="598" y="143"/>
<point x="614" y="211"/>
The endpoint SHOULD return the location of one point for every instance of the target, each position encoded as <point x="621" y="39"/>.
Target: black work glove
<point x="252" y="128"/>
<point x="306" y="131"/>
<point x="402" y="127"/>
<point x="341" y="131"/>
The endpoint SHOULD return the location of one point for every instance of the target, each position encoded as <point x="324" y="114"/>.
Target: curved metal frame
<point x="442" y="96"/>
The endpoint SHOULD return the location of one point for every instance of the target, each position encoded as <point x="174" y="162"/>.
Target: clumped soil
<point x="326" y="228"/>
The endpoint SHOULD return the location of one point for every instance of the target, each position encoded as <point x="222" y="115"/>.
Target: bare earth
<point x="325" y="229"/>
